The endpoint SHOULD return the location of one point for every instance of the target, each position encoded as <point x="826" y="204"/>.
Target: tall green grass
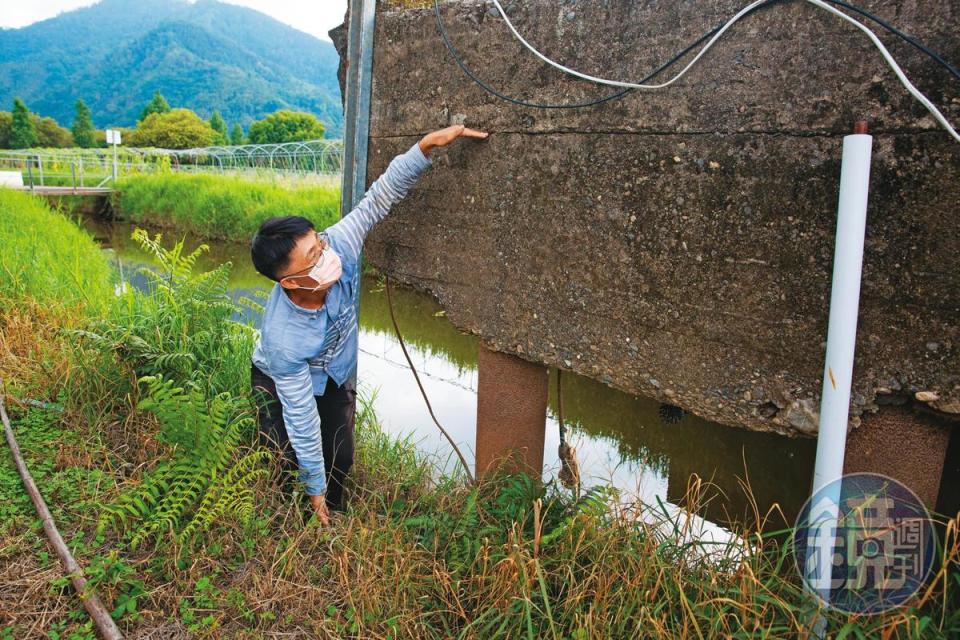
<point x="220" y="207"/>
<point x="47" y="257"/>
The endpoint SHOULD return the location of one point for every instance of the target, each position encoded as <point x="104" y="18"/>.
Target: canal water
<point x="619" y="438"/>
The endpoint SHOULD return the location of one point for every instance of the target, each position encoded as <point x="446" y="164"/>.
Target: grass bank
<point x="46" y="257"/>
<point x="153" y="472"/>
<point x="221" y="207"/>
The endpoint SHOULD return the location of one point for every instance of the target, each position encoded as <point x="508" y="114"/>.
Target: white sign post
<point x="113" y="137"/>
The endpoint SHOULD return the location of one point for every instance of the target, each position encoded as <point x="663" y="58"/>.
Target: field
<point x="147" y="457"/>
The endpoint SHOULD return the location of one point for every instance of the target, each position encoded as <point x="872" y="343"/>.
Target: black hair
<point x="271" y="246"/>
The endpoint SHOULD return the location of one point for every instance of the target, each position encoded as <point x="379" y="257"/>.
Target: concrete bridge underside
<point x="678" y="244"/>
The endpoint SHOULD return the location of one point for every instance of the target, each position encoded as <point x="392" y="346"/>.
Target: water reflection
<point x="619" y="438"/>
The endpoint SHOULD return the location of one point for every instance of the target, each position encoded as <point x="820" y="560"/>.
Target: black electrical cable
<point x="578" y="105"/>
<point x="892" y="29"/>
<point x="619" y="94"/>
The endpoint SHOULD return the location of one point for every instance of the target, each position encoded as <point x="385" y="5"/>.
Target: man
<point x="307" y="352"/>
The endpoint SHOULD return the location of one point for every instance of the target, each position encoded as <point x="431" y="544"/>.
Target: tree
<point x="23" y="134"/>
<point x="5" y="122"/>
<point x="158" y="104"/>
<point x="83" y="126"/>
<point x="46" y="131"/>
<point x="176" y="129"/>
<point x="218" y="124"/>
<point x="286" y="126"/>
<point x="236" y="136"/>
<point x="51" y="134"/>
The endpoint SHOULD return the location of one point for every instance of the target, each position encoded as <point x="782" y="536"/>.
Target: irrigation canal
<point x="619" y="438"/>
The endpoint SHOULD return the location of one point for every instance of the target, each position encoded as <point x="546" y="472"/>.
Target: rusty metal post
<point x="511" y="413"/>
<point x="906" y="445"/>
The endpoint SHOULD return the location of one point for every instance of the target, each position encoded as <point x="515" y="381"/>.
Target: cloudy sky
<point x="316" y="17"/>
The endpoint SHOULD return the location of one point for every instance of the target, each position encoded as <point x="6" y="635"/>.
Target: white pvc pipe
<point x="844" y="305"/>
<point x="841" y="341"/>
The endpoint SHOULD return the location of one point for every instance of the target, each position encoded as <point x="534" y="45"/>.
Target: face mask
<point x="325" y="272"/>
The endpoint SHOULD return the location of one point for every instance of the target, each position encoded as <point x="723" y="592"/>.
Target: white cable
<point x="939" y="117"/>
<point x="618" y="83"/>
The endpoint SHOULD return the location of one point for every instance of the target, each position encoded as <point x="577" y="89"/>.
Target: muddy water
<point x="619" y="438"/>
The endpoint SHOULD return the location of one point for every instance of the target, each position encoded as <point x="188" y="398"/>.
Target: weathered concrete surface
<point x="678" y="244"/>
<point x="511" y="413"/>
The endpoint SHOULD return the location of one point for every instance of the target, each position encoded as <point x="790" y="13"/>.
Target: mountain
<point x="205" y="55"/>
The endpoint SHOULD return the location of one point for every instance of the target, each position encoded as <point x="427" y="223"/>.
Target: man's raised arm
<point x="392" y="186"/>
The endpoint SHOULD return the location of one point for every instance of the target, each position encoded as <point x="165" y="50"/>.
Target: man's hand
<point x="319" y="504"/>
<point x="443" y="137"/>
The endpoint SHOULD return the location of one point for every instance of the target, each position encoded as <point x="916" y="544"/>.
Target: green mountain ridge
<point x="205" y="56"/>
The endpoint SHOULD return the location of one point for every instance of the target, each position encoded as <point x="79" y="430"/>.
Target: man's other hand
<point x="319" y="504"/>
<point x="443" y="137"/>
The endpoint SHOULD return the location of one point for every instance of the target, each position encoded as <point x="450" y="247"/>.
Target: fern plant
<point x="180" y="324"/>
<point x="209" y="474"/>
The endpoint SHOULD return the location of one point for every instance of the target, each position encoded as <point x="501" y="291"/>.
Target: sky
<point x="316" y="17"/>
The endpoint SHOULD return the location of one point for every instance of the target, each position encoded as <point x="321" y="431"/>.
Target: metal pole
<point x="40" y="168"/>
<point x="30" y="172"/>
<point x="359" y="86"/>
<point x="841" y="345"/>
<point x="114" y="163"/>
<point x="73" y="174"/>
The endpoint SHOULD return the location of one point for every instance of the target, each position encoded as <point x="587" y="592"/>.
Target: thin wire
<point x="563" y="429"/>
<point x="620" y="83"/>
<point x="406" y="355"/>
<point x="939" y="117"/>
<point x="581" y="105"/>
<point x="934" y="111"/>
<point x="892" y="29"/>
<point x="577" y="105"/>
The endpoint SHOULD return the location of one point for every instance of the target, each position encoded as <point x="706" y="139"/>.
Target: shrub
<point x="286" y="126"/>
<point x="176" y="129"/>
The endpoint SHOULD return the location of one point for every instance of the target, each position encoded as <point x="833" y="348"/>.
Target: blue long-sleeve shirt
<point x="300" y="348"/>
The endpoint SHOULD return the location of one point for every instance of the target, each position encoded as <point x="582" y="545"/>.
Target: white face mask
<point x="325" y="272"/>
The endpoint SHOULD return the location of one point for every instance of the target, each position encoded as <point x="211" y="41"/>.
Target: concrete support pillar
<point x="511" y="413"/>
<point x="903" y="444"/>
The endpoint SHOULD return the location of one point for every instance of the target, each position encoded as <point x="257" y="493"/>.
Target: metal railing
<point x="80" y="168"/>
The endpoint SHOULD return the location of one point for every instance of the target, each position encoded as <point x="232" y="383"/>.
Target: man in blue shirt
<point x="307" y="352"/>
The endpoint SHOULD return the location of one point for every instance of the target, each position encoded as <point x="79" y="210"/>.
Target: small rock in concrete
<point x="926" y="396"/>
<point x="802" y="415"/>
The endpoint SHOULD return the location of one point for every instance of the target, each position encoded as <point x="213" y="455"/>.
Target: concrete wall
<point x="678" y="244"/>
